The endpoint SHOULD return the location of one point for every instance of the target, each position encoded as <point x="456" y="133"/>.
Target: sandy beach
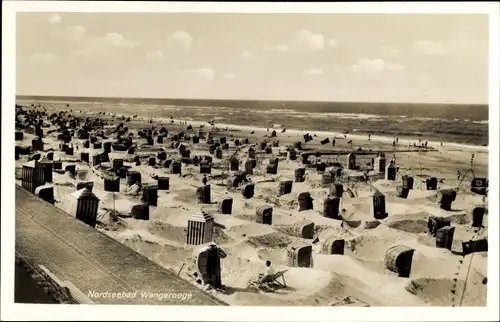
<point x="358" y="277"/>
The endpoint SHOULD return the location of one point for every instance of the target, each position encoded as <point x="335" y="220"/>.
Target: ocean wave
<point x="282" y="110"/>
<point x="427" y="118"/>
<point x="288" y="112"/>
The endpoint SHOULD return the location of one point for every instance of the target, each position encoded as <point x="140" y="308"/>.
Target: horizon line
<point x="245" y="100"/>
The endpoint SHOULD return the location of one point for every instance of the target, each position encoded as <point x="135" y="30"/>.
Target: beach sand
<point x="357" y="278"/>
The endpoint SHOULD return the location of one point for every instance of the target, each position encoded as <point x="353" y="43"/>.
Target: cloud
<point x="229" y="76"/>
<point x="47" y="57"/>
<point x="391" y="51"/>
<point x="90" y="51"/>
<point x="205" y="73"/>
<point x="154" y="55"/>
<point x="374" y="66"/>
<point x="280" y="47"/>
<point x="314" y="72"/>
<point x="332" y="43"/>
<point x="247" y="55"/>
<point x="429" y="47"/>
<point x="308" y="40"/>
<point x="99" y="46"/>
<point x="76" y="33"/>
<point x="115" y="40"/>
<point x="304" y="40"/>
<point x="181" y="39"/>
<point x="55" y="19"/>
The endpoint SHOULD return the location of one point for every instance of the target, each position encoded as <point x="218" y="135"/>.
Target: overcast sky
<point x="335" y="57"/>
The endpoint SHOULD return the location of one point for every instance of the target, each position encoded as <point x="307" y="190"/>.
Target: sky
<point x="438" y="58"/>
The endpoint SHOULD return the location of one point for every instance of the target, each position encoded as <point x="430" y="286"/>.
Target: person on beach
<point x="205" y="180"/>
<point x="268" y="273"/>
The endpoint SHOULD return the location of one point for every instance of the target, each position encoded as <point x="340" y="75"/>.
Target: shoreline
<point x="334" y="134"/>
<point x="354" y="137"/>
<point x="359" y="137"/>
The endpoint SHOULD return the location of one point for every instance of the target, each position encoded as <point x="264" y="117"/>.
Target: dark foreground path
<point x="26" y="290"/>
<point x="93" y="261"/>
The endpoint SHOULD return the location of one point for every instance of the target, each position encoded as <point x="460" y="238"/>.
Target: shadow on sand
<point x="268" y="288"/>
